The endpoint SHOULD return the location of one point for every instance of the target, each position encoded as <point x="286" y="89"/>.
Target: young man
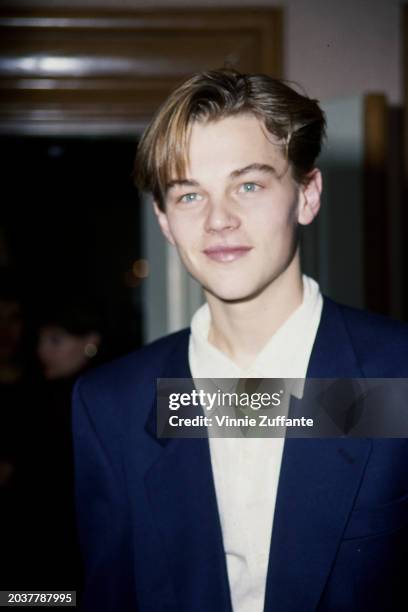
<point x="242" y="525"/>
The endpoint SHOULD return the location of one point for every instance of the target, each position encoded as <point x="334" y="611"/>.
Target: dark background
<point x="71" y="225"/>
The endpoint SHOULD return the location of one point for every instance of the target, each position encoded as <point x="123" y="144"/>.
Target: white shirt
<point x="246" y="470"/>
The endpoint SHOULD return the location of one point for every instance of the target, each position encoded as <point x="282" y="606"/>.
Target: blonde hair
<point x="294" y="119"/>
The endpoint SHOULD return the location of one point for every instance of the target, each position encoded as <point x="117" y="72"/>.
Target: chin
<point x="231" y="294"/>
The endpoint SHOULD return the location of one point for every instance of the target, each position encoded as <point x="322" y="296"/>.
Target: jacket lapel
<point x="318" y="483"/>
<point x="181" y="493"/>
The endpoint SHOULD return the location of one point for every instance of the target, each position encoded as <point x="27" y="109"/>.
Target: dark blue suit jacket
<point x="147" y="512"/>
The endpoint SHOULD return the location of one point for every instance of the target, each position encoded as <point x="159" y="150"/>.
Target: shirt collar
<point x="285" y="355"/>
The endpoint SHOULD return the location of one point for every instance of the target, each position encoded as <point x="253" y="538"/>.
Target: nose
<point x="221" y="216"/>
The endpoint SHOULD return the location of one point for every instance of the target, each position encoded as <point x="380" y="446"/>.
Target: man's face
<point x="233" y="218"/>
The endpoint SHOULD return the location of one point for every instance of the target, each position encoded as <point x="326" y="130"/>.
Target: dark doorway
<point x="70" y="221"/>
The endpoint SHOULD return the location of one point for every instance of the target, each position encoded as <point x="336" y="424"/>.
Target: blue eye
<point x="249" y="187"/>
<point x="190" y="197"/>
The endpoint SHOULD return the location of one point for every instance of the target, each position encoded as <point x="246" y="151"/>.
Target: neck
<point x="241" y="329"/>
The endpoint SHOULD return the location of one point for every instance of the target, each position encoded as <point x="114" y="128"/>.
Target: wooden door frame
<point x="104" y="71"/>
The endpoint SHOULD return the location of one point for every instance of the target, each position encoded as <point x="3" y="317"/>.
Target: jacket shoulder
<point x="141" y="366"/>
<point x="379" y="341"/>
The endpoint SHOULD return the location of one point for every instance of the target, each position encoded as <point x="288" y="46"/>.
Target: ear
<point x="163" y="222"/>
<point x="309" y="194"/>
<point x="91" y="343"/>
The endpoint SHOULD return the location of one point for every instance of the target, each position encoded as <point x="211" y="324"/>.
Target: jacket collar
<point x="176" y="366"/>
<point x="333" y="355"/>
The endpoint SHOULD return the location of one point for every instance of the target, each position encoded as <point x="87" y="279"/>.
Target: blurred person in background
<point x="69" y="343"/>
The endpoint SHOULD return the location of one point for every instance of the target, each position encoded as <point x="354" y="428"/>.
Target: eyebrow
<point x="182" y="183"/>
<point x="254" y="167"/>
<point x="266" y="168"/>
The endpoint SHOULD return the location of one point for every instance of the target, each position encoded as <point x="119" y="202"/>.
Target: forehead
<point x="231" y="143"/>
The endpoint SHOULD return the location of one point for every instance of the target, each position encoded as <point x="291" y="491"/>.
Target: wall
<point x="332" y="47"/>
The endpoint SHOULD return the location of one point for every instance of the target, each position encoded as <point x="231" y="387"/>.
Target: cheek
<point x="76" y="352"/>
<point x="69" y="352"/>
<point x="61" y="355"/>
<point x="184" y="231"/>
<point x="277" y="221"/>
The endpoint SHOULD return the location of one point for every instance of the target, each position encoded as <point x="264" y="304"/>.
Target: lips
<point x="226" y="254"/>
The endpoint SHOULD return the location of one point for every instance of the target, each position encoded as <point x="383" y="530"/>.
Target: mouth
<point x="226" y="254"/>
